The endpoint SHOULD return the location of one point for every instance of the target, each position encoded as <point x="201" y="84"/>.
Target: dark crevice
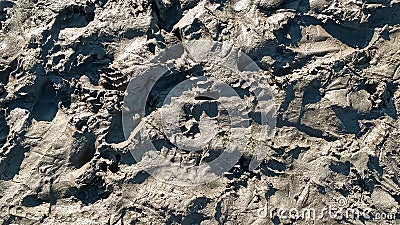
<point x="139" y="178"/>
<point x="31" y="201"/>
<point x="306" y="129"/>
<point x="115" y="132"/>
<point x="4" y="128"/>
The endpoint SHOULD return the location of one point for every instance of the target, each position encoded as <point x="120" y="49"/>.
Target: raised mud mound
<point x="333" y="67"/>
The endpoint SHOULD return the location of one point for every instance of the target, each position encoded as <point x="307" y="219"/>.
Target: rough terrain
<point x="332" y="65"/>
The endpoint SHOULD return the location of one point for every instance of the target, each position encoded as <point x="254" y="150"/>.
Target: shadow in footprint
<point x="11" y="165"/>
<point x="45" y="109"/>
<point x="357" y="36"/>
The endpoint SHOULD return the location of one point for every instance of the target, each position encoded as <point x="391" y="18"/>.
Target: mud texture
<point x="332" y="65"/>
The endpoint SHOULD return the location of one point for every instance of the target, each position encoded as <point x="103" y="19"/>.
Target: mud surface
<point x="333" y="67"/>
